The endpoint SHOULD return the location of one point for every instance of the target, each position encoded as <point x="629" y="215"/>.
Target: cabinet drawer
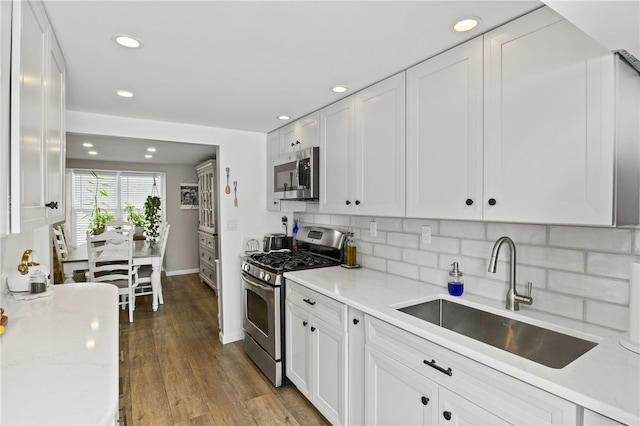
<point x="208" y="273"/>
<point x="498" y="393"/>
<point x="207" y="241"/>
<point x="321" y="306"/>
<point x="206" y="255"/>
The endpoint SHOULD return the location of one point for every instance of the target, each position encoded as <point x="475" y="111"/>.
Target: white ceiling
<point x="240" y="64"/>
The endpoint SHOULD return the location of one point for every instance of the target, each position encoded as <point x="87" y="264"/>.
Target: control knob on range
<point x="262" y="275"/>
<point x="267" y="277"/>
<point x="245" y="267"/>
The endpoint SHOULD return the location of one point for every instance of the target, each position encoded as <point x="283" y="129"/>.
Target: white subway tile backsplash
<point x="434" y="276"/>
<point x="596" y="239"/>
<point x="389" y="224"/>
<point x="610" y="265"/>
<point x="467" y="265"/>
<point x="460" y="229"/>
<point x="403" y="269"/>
<point x="373" y="262"/>
<point x="577" y="272"/>
<point x="477" y="248"/>
<point x="442" y="245"/>
<point x="568" y="260"/>
<point x="419" y="257"/>
<point x="402" y="240"/>
<point x="605" y="289"/>
<point x="414" y="226"/>
<point x="607" y="315"/>
<point x="557" y="303"/>
<point x="342" y="221"/>
<point x="520" y="234"/>
<point x="388" y="252"/>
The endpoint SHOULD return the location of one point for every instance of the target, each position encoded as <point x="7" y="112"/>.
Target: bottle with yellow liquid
<point x="352" y="251"/>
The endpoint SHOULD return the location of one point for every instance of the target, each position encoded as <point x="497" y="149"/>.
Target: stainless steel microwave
<point x="296" y="177"/>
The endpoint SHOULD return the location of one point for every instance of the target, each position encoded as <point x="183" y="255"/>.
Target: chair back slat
<point x="110" y="256"/>
<point x="59" y="243"/>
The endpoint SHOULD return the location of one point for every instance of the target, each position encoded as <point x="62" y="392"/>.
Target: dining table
<point x="144" y="253"/>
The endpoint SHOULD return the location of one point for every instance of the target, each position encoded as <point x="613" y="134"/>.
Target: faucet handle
<point x="529" y="287"/>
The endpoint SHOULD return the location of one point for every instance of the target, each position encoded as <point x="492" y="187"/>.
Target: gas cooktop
<point x="284" y="261"/>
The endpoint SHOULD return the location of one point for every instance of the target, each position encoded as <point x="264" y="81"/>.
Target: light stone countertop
<point x="605" y="380"/>
<point x="60" y="357"/>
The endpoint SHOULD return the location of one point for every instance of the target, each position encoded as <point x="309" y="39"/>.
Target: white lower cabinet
<point x="410" y="380"/>
<point x="316" y="350"/>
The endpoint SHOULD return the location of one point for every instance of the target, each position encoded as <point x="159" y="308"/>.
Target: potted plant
<point x="152" y="217"/>
<point x="135" y="216"/>
<point x="99" y="216"/>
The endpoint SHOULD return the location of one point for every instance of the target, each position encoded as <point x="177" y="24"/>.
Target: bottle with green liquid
<point x="352" y="251"/>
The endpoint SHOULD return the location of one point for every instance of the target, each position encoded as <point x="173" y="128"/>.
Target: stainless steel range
<point x="263" y="288"/>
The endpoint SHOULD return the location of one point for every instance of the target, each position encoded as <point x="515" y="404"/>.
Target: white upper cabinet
<point x="549" y="139"/>
<point x="299" y="135"/>
<point x="273" y="151"/>
<point x="5" y="67"/>
<point x="444" y="135"/>
<point x="362" y="151"/>
<point x="37" y="120"/>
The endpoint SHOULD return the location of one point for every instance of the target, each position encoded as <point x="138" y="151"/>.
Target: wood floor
<point x="175" y="371"/>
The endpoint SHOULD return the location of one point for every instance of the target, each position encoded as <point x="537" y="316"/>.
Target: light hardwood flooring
<point x="175" y="371"/>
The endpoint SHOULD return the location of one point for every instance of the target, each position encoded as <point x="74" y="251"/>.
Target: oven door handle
<point x="255" y="283"/>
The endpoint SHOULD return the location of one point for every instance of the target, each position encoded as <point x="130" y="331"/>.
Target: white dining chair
<point x="59" y="243"/>
<point x="143" y="276"/>
<point x="110" y="257"/>
<point x="121" y="226"/>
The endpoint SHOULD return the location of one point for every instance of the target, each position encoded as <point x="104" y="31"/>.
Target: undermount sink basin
<point x="544" y="346"/>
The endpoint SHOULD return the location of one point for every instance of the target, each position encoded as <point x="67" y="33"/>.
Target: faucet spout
<point x="513" y="299"/>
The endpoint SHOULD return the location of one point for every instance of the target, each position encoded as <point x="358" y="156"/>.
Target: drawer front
<point x="206" y="255"/>
<point x="208" y="272"/>
<point x="321" y="306"/>
<point x="203" y="238"/>
<point x="500" y="394"/>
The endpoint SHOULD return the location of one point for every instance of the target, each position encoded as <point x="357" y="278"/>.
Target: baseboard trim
<point x="182" y="272"/>
<point x="230" y="338"/>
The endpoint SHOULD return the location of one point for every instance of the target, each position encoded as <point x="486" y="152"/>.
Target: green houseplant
<point x="152" y="217"/>
<point x="135" y="216"/>
<point x="99" y="215"/>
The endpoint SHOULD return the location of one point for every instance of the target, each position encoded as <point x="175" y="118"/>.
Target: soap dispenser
<point x="456" y="282"/>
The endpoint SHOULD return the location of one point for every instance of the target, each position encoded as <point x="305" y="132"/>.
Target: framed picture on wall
<point x="188" y="196"/>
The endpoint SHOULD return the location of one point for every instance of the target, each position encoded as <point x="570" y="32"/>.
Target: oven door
<point x="262" y="314"/>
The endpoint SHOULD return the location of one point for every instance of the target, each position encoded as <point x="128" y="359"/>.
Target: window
<point x="122" y="188"/>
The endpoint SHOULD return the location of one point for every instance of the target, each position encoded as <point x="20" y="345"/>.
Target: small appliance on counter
<point x="29" y="276"/>
<point x="274" y="242"/>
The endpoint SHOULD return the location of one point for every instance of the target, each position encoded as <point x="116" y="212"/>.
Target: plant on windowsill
<point x="135" y="216"/>
<point x="99" y="216"/>
<point x="152" y="217"/>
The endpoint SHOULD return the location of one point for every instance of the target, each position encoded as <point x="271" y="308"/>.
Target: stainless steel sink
<point x="544" y="346"/>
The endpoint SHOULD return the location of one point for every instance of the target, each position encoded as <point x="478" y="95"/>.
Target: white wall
<point x="245" y="154"/>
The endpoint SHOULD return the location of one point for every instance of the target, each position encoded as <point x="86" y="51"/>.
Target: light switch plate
<point x="232" y="225"/>
<point x="373" y="229"/>
<point x="426" y="234"/>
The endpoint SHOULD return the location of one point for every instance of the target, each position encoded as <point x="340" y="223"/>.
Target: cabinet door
<point x="307" y="131"/>
<point x="456" y="410"/>
<point x="397" y="395"/>
<point x="329" y="384"/>
<point x="28" y="171"/>
<point x="55" y="132"/>
<point x="298" y="347"/>
<point x="379" y="149"/>
<point x="273" y="150"/>
<point x="337" y="135"/>
<point x="444" y="135"/>
<point x="288" y="138"/>
<point x="5" y="65"/>
<point x="548" y="123"/>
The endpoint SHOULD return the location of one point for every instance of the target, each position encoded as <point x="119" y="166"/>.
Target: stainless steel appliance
<point x="295" y="176"/>
<point x="263" y="286"/>
<point x="273" y="242"/>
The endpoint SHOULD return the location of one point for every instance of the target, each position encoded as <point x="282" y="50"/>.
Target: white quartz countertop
<point x="60" y="357"/>
<point x="605" y="380"/>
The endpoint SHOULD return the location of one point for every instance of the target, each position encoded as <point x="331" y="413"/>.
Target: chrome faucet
<point x="513" y="298"/>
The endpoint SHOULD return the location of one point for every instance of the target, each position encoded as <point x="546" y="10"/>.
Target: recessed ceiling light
<point x="87" y="145"/>
<point x="151" y="149"/>
<point x="92" y="153"/>
<point x="339" y="89"/>
<point x="284" y="117"/>
<point x="127" y="41"/>
<point x="148" y="156"/>
<point x="125" y="93"/>
<point x="467" y="24"/>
